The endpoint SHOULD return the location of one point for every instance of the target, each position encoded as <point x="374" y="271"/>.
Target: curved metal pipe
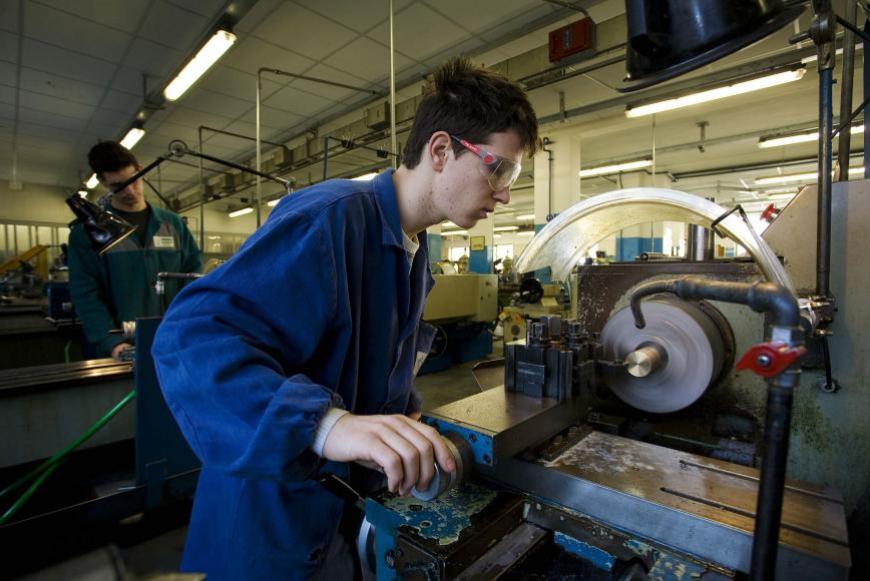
<point x="760" y="297"/>
<point x="781" y="304"/>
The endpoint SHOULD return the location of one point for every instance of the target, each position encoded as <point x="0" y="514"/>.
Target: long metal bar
<point x="823" y="245"/>
<point x="187" y="151"/>
<point x="240" y="135"/>
<point x="316" y="80"/>
<point x="751" y="166"/>
<point x="258" y="140"/>
<point x="325" y="157"/>
<point x="202" y="186"/>
<point x="392" y="84"/>
<point x="846" y="84"/>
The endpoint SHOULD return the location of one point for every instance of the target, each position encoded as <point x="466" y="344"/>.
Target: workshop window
<point x="504" y="251"/>
<point x="457" y="252"/>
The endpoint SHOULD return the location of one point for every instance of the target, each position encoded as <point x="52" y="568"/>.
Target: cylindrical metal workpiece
<point x="443" y="481"/>
<point x="699" y="244"/>
<point x="645" y="360"/>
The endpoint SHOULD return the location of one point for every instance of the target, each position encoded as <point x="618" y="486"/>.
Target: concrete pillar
<point x="557" y="186"/>
<point x="557" y="192"/>
<point x="480" y="261"/>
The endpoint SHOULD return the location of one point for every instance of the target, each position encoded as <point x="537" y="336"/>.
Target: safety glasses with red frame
<point x="500" y="172"/>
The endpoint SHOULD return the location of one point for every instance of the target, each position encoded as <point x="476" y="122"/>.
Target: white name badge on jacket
<point x="164" y="242"/>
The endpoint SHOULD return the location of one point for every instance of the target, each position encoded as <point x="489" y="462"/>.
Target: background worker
<point x="119" y="286"/>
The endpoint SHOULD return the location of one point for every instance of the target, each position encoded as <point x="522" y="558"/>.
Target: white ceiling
<point x="81" y="65"/>
<point x="71" y="72"/>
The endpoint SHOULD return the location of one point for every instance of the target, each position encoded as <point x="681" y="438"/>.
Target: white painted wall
<point x="34" y="203"/>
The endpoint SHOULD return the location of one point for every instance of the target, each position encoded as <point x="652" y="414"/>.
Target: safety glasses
<point x="501" y="173"/>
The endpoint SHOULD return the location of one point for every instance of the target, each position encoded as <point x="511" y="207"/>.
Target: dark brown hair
<point x="110" y="156"/>
<point x="473" y="103"/>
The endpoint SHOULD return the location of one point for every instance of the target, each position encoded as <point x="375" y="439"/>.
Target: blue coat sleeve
<point x="232" y="352"/>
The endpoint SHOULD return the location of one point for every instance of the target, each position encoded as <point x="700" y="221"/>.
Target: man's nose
<point x="503" y="195"/>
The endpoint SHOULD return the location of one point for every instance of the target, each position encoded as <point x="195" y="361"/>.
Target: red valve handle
<point x="769" y="213"/>
<point x="770" y="359"/>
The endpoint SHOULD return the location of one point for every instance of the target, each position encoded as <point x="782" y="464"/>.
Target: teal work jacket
<point x="119" y="286"/>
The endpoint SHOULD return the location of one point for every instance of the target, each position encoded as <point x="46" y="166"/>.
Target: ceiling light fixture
<point x="787" y="190"/>
<point x="92" y="182"/>
<point x="814" y="57"/>
<point x="273" y="203"/>
<point x="455" y="233"/>
<point x="615" y="168"/>
<point x="240" y="212"/>
<point x="730" y="90"/>
<point x="784" y="179"/>
<point x="83" y="193"/>
<point x="780" y="140"/>
<point x="523" y="217"/>
<point x="133" y="136"/>
<point x="505" y="228"/>
<point x="526" y="233"/>
<point x="208" y="55"/>
<point x="854" y="172"/>
<point x="366" y="177"/>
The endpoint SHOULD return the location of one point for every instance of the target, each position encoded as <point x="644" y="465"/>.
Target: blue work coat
<point x="316" y="310"/>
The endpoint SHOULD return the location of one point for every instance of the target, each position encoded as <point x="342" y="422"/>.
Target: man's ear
<point x="437" y="149"/>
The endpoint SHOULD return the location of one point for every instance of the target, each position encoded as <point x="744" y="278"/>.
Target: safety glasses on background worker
<point x="501" y="173"/>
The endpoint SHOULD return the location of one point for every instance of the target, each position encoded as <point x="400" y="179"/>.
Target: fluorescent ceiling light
<point x="810" y="177"/>
<point x="92" y="182"/>
<point x="784" y="179"/>
<point x="496" y="236"/>
<point x="780" y="140"/>
<point x="615" y="168"/>
<point x="366" y="177"/>
<point x="208" y="55"/>
<point x="448" y="225"/>
<point x="526" y="233"/>
<point x="782" y="196"/>
<point x="273" y="203"/>
<point x="788" y="190"/>
<point x="241" y="212"/>
<point x="83" y="193"/>
<point x="715" y="94"/>
<point x="522" y="217"/>
<point x="133" y="136"/>
<point x="814" y="57"/>
<point x="455" y="233"/>
<point x="505" y="228"/>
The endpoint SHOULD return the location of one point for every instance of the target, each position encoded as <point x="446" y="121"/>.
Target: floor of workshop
<point x="162" y="553"/>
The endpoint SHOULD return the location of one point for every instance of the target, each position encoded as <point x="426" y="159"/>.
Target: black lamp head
<point x="102" y="227"/>
<point x="667" y="38"/>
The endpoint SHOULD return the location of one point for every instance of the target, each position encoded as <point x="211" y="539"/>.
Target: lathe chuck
<point x="672" y="361"/>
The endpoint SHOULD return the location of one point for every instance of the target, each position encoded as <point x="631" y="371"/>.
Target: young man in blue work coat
<point x="296" y="357"/>
<point x="118" y="286"/>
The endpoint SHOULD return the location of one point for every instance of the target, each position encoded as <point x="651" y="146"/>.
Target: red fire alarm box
<point x="571" y="39"/>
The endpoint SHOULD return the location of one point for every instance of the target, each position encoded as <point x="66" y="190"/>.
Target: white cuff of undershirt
<point x="328" y="421"/>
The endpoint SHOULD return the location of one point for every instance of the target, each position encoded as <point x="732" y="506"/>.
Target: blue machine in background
<point x="463" y="308"/>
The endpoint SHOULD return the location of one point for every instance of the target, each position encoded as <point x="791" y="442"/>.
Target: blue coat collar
<point x="385" y="193"/>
